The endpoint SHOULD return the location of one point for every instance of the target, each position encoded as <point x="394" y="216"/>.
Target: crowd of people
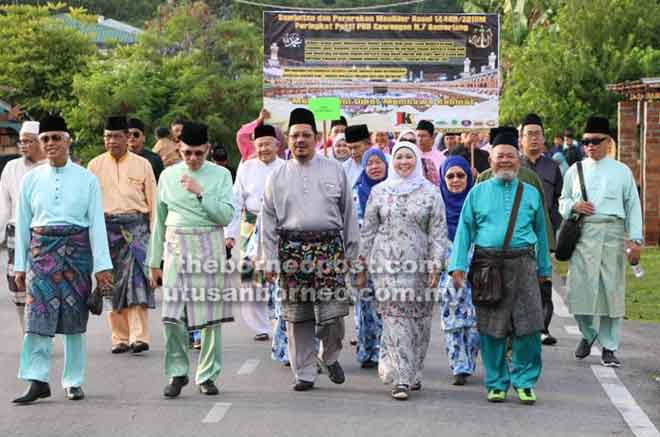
<point x="458" y="226"/>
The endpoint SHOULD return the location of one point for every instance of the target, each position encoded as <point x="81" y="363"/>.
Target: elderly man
<point x="612" y="212"/>
<point x="10" y="181"/>
<point x="245" y="135"/>
<point x="518" y="314"/>
<point x="194" y="204"/>
<point x="129" y="194"/>
<point x="314" y="223"/>
<point x="136" y="140"/>
<point x="358" y="141"/>
<point x="248" y="192"/>
<point x="381" y="139"/>
<point x="60" y="240"/>
<point x="425" y="137"/>
<point x="548" y="172"/>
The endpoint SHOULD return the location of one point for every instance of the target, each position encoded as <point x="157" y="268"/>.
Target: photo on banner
<point x="388" y="70"/>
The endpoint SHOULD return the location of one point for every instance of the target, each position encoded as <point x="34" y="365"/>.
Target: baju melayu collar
<point x="353" y="170"/>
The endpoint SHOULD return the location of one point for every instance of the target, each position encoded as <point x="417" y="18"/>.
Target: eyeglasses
<point x="26" y="142"/>
<point x="196" y="153"/>
<point x="534" y="134"/>
<point x="136" y="134"/>
<point x="452" y="176"/>
<point x="53" y="137"/>
<point x="593" y="141"/>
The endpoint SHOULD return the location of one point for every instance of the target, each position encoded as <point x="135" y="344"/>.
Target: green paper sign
<point x="325" y="108"/>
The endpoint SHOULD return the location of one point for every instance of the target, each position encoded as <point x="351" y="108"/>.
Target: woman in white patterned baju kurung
<point x="404" y="232"/>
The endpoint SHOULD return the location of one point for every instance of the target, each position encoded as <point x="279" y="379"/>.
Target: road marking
<point x="217" y="412"/>
<point x="637" y="420"/>
<point x="574" y="330"/>
<point x="558" y="303"/>
<point x="248" y="367"/>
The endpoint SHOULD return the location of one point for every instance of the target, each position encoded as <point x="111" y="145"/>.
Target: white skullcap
<point x="30" y="127"/>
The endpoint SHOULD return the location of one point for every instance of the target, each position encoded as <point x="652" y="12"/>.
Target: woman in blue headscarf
<point x="457" y="312"/>
<point x="368" y="322"/>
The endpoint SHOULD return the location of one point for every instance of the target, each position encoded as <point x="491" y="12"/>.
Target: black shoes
<point x="139" y="346"/>
<point x="74" y="393"/>
<point x="303" y="386"/>
<point x="369" y="365"/>
<point x="208" y="388"/>
<point x="120" y="348"/>
<point x="460" y="379"/>
<point x="335" y="373"/>
<point x="173" y="389"/>
<point x="583" y="349"/>
<point x="36" y="390"/>
<point x="608" y="359"/>
<point x="416" y="386"/>
<point x="261" y="337"/>
<point x="548" y="340"/>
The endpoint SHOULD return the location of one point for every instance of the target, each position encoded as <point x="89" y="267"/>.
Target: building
<point x="105" y="33"/>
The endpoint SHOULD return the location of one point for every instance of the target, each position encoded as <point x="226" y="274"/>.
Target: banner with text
<point x="389" y="70"/>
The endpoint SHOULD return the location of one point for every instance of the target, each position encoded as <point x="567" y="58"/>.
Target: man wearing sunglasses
<point x="194" y="205"/>
<point x="129" y="194"/>
<point x="60" y="241"/>
<point x="611" y="227"/>
<point x="136" y="140"/>
<point x="33" y="156"/>
<point x="551" y="178"/>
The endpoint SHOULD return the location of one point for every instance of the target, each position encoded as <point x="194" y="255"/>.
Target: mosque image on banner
<point x="389" y="70"/>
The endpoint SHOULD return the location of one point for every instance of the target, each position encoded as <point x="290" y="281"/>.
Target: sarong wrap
<point x="128" y="239"/>
<point x="319" y="294"/>
<point x="194" y="277"/>
<point x="59" y="280"/>
<point x="17" y="296"/>
<point x="248" y="226"/>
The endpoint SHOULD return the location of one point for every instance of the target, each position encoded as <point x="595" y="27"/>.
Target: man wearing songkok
<point x="358" y="141"/>
<point x="245" y="135"/>
<point x="548" y="172"/>
<point x="136" y="140"/>
<point x="315" y="223"/>
<point x="524" y="264"/>
<point x="60" y="241"/>
<point x="10" y="182"/>
<point x="129" y="194"/>
<point x="611" y="228"/>
<point x="248" y="192"/>
<point x="425" y="133"/>
<point x="194" y="204"/>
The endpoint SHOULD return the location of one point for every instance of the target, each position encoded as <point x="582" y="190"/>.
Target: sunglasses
<point x="136" y="134"/>
<point x="196" y="153"/>
<point x="54" y="138"/>
<point x="593" y="141"/>
<point x="451" y="176"/>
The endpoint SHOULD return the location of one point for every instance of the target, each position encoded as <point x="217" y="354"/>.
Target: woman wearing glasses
<point x="457" y="313"/>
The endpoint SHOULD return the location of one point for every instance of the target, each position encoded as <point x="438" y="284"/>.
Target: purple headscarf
<point x="364" y="183"/>
<point x="454" y="201"/>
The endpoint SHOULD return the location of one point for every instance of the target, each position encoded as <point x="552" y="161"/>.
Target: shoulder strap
<point x="514" y="216"/>
<point x="583" y="188"/>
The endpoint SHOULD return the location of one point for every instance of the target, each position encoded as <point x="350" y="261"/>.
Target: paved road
<point x="124" y="394"/>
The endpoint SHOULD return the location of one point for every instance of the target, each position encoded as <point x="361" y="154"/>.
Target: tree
<point x="39" y="58"/>
<point x="562" y="73"/>
<point x="189" y="63"/>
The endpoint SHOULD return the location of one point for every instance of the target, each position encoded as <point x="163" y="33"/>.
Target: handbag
<point x="485" y="273"/>
<point x="95" y="301"/>
<point x="571" y="229"/>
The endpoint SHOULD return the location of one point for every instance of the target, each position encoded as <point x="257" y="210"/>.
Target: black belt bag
<point x="485" y="274"/>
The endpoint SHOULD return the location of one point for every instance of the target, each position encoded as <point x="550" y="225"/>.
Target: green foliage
<point x="39" y="58"/>
<point x="562" y="73"/>
<point x="189" y="63"/>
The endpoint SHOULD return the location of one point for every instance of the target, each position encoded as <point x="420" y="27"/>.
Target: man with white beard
<point x="523" y="260"/>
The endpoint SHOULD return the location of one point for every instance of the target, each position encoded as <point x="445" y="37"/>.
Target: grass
<point x="642" y="295"/>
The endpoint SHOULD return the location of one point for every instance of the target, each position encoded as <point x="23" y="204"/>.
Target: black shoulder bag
<point x="570" y="230"/>
<point x="485" y="274"/>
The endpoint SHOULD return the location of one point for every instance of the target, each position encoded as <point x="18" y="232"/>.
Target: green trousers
<point x="177" y="361"/>
<point x="606" y="328"/>
<point x="525" y="361"/>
